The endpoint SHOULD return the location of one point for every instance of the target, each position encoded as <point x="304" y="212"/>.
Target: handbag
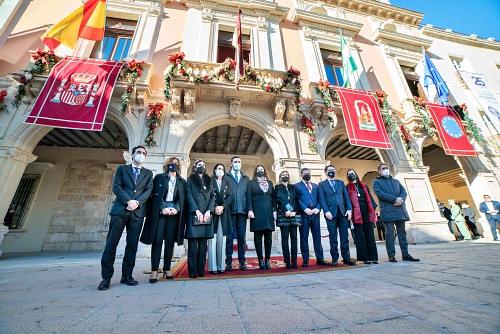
<point x="284" y="221"/>
<point x="195" y="221"/>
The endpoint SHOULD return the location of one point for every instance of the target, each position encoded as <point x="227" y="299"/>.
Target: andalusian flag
<point x="348" y="64"/>
<point x="86" y="22"/>
<point x="238" y="57"/>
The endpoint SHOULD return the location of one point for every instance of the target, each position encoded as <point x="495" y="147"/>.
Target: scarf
<point x="263" y="184"/>
<point x="357" y="218"/>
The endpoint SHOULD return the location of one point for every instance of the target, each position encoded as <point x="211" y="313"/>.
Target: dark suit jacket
<point x="305" y="197"/>
<point x="157" y="203"/>
<point x="126" y="189"/>
<point x="447" y="213"/>
<point x="223" y="198"/>
<point x="484" y="208"/>
<point x="330" y="199"/>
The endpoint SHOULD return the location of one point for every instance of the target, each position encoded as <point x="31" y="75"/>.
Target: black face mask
<point x="173" y="167"/>
<point x="260" y="173"/>
<point x="351" y="176"/>
<point x="285" y="179"/>
<point x="331" y="174"/>
<point x="307" y="177"/>
<point x="200" y="169"/>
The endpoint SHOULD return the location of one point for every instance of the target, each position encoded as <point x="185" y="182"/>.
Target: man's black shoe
<point x="322" y="263"/>
<point x="410" y="258"/>
<point x="243" y="266"/>
<point x="129" y="280"/>
<point x="104" y="285"/>
<point x="392" y="259"/>
<point x="334" y="263"/>
<point x="349" y="262"/>
<point x="229" y="267"/>
<point x="305" y="264"/>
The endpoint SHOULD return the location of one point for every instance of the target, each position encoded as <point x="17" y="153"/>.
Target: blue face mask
<point x="237" y="166"/>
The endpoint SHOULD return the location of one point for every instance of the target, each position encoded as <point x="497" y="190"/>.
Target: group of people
<point x="209" y="211"/>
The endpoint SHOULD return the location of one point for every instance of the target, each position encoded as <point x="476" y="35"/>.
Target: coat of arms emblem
<point x="365" y="116"/>
<point x="81" y="88"/>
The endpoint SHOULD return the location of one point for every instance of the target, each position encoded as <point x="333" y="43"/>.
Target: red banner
<point x="76" y="95"/>
<point x="450" y="130"/>
<point x="363" y="120"/>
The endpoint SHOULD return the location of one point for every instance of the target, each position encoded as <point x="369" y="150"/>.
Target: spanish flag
<point x="86" y="22"/>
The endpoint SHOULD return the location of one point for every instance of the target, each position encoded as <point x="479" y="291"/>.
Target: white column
<point x="276" y="52"/>
<point x="143" y="46"/>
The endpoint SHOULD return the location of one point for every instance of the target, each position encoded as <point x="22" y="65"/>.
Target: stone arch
<point x="266" y="130"/>
<point x="117" y="116"/>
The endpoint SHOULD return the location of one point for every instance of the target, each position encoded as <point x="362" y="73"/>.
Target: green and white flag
<point x="348" y="64"/>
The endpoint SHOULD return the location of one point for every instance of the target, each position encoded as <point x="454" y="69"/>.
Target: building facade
<point x="59" y="180"/>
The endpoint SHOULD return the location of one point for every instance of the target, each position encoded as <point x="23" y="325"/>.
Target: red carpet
<point x="180" y="270"/>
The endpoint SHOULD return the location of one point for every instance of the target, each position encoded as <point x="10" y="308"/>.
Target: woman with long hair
<point x="165" y="217"/>
<point x="363" y="216"/>
<point x="261" y="204"/>
<point x="199" y="228"/>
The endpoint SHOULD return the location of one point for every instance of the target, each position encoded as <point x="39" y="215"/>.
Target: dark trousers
<point x="381" y="231"/>
<point x="133" y="224"/>
<point x="311" y="223"/>
<point x="197" y="256"/>
<point x="165" y="230"/>
<point x="366" y="249"/>
<point x="289" y="233"/>
<point x="239" y="222"/>
<point x="399" y="226"/>
<point x="268" y="242"/>
<point x="472" y="227"/>
<point x="340" y="225"/>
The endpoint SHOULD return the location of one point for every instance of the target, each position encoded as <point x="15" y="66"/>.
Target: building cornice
<point x="324" y="22"/>
<point x="399" y="40"/>
<point x="448" y="35"/>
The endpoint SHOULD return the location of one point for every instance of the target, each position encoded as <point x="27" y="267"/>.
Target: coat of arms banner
<point x="451" y="130"/>
<point x="363" y="120"/>
<point x="77" y="94"/>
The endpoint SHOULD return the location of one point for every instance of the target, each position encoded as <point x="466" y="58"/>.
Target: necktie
<point x="309" y="187"/>
<point x="236" y="177"/>
<point x="136" y="173"/>
<point x="332" y="183"/>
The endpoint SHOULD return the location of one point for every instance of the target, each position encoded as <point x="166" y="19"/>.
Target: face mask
<point x="260" y="173"/>
<point x="331" y="174"/>
<point x="307" y="177"/>
<point x="441" y="206"/>
<point x="237" y="166"/>
<point x="139" y="158"/>
<point x="200" y="169"/>
<point x="488" y="199"/>
<point x="285" y="179"/>
<point x="464" y="206"/>
<point x="219" y="173"/>
<point x="173" y="167"/>
<point x="385" y="173"/>
<point x="351" y="176"/>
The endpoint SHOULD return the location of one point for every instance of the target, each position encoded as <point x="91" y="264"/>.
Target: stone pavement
<point x="454" y="289"/>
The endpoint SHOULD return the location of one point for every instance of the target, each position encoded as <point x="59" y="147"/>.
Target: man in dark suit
<point x="446" y="213"/>
<point x="132" y="186"/>
<point x="336" y="205"/>
<point x="492" y="210"/>
<point x="309" y="210"/>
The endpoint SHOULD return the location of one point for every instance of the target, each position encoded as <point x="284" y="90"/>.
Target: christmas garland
<point x="131" y="72"/>
<point x="153" y="120"/>
<point x="3" y="94"/>
<point x="387" y="115"/>
<point x="420" y="106"/>
<point x="44" y="61"/>
<point x="471" y="127"/>
<point x="407" y="139"/>
<point x="326" y="91"/>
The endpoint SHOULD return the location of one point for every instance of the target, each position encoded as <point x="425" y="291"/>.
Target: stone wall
<point x="81" y="208"/>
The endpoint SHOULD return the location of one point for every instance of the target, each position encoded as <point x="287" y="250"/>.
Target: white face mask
<point x="385" y="173"/>
<point x="219" y="173"/>
<point x="237" y="166"/>
<point x="139" y="158"/>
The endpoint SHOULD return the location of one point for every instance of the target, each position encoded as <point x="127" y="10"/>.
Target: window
<point x="21" y="202"/>
<point x="333" y="66"/>
<point x="412" y="79"/>
<point x="226" y="49"/>
<point x="488" y="123"/>
<point x="117" y="40"/>
<point x="457" y="63"/>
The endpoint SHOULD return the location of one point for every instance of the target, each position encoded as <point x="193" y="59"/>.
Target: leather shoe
<point x="392" y="259"/>
<point x="167" y="276"/>
<point x="192" y="276"/>
<point x="322" y="263"/>
<point x="410" y="258"/>
<point x="261" y="264"/>
<point x="201" y="275"/>
<point x="288" y="266"/>
<point x="229" y="267"/>
<point x="268" y="264"/>
<point x="129" y="280"/>
<point x="367" y="262"/>
<point x="215" y="272"/>
<point x="153" y="280"/>
<point x="349" y="262"/>
<point x="104" y="285"/>
<point x="375" y="262"/>
<point x="243" y="266"/>
<point x="305" y="264"/>
<point x="334" y="263"/>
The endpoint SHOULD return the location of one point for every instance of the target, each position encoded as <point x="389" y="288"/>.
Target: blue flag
<point x="432" y="77"/>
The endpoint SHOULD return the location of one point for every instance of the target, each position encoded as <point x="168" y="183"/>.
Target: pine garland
<point x="153" y="120"/>
<point x="421" y="108"/>
<point x="131" y="72"/>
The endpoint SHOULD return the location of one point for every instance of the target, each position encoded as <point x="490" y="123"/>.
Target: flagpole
<point x="350" y="56"/>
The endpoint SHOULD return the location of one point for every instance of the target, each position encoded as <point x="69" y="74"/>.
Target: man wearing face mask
<point x="446" y="213"/>
<point x="470" y="219"/>
<point x="392" y="196"/>
<point x="132" y="186"/>
<point x="309" y="211"/>
<point x="492" y="210"/>
<point x="238" y="182"/>
<point x="337" y="209"/>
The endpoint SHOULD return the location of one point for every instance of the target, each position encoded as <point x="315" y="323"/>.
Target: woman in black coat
<point x="166" y="217"/>
<point x="261" y="198"/>
<point x="223" y="192"/>
<point x="287" y="199"/>
<point x="200" y="198"/>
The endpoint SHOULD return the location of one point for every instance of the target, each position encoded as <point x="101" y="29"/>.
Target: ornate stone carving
<point x="234" y="108"/>
<point x="17" y="154"/>
<point x="189" y="103"/>
<point x="290" y="113"/>
<point x="416" y="128"/>
<point x="279" y="111"/>
<point x="175" y="102"/>
<point x="207" y="15"/>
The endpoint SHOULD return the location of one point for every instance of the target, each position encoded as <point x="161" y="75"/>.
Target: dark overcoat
<point x="224" y="198"/>
<point x="388" y="190"/>
<point x="199" y="196"/>
<point x="157" y="203"/>
<point x="263" y="204"/>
